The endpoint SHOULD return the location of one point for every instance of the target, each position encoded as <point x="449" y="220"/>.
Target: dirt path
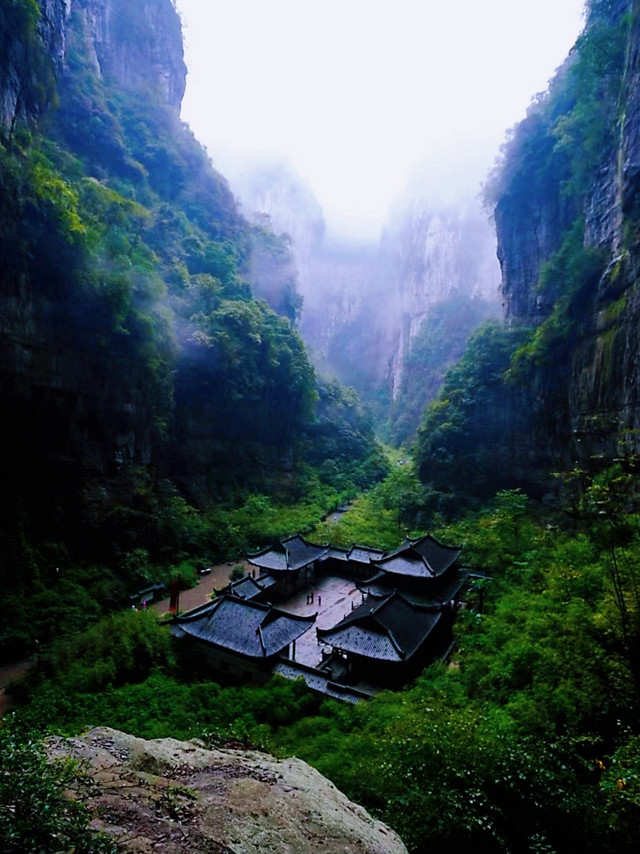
<point x="217" y="578"/>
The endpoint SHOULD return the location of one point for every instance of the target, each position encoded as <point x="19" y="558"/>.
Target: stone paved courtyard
<point x="333" y="598"/>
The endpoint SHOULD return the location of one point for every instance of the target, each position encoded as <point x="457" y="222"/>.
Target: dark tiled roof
<point x="336" y="553"/>
<point x="300" y="553"/>
<point x="364" y="554"/>
<point x="249" y="587"/>
<point x="321" y="682"/>
<point x="266" y="582"/>
<point x="248" y="628"/>
<point x="391" y="629"/>
<point x="245" y="588"/>
<point x="422" y="558"/>
<point x="291" y="554"/>
<point x="441" y="590"/>
<point x="272" y="558"/>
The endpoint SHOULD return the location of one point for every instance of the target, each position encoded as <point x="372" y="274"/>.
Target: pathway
<point x="201" y="593"/>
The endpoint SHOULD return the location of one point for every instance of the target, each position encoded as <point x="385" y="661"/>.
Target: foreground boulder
<point x="178" y="797"/>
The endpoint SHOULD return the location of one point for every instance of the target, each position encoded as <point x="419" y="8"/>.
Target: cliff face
<point x="565" y="175"/>
<point x="365" y="304"/>
<point x="563" y="379"/>
<point x="31" y="54"/>
<point x="137" y="46"/>
<point x="70" y="407"/>
<point x="435" y="251"/>
<point x="133" y="356"/>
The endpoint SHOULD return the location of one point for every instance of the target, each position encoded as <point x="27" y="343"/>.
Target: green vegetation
<point x="570" y="130"/>
<point x="526" y="741"/>
<point x="462" y="429"/>
<point x="438" y="345"/>
<point x="507" y="413"/>
<point x="35" y="812"/>
<point x="188" y="425"/>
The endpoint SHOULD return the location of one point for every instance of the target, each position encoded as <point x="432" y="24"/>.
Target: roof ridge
<point x="395" y="643"/>
<point x="386" y="629"/>
<point x="425" y="562"/>
<point x="384" y="601"/>
<point x="261" y="638"/>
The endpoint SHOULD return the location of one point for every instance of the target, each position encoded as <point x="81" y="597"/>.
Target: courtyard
<point x="333" y="599"/>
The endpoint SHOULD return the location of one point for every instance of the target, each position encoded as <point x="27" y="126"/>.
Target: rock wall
<point x="587" y="404"/>
<point x="31" y="54"/>
<point x="604" y="389"/>
<point x="364" y="303"/>
<point x="138" y="46"/>
<point x="77" y="410"/>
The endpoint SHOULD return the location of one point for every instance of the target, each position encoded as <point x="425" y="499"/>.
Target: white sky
<point x="354" y="93"/>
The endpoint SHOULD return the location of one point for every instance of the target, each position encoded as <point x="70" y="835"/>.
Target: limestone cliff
<point x="124" y="296"/>
<point x="32" y="43"/>
<point x="74" y="406"/>
<point x="137" y="46"/>
<point x="567" y="218"/>
<point x="180" y="798"/>
<point x="365" y="303"/>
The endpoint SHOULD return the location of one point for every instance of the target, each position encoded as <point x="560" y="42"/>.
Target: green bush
<point x="36" y="813"/>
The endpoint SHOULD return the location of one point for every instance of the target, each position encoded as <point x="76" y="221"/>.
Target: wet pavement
<point x="201" y="593"/>
<point x="333" y="598"/>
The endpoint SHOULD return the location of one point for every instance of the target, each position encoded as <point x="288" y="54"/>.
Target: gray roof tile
<point x="421" y="558"/>
<point x="290" y="554"/>
<point x="248" y="628"/>
<point x="391" y="629"/>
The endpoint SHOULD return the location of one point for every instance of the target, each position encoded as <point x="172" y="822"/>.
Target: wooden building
<point x="410" y="598"/>
<point x="388" y="641"/>
<point x="357" y="562"/>
<point x="423" y="570"/>
<point x="292" y="562"/>
<point x="250" y="588"/>
<point x="239" y="639"/>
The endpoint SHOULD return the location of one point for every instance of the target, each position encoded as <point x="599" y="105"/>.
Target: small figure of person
<point x="319" y="600"/>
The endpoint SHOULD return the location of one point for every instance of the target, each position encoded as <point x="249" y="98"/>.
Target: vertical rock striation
<point x="32" y="43"/>
<point x="586" y="399"/>
<point x="137" y="46"/>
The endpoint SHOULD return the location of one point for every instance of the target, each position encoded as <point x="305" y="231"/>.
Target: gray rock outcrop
<point x="180" y="798"/>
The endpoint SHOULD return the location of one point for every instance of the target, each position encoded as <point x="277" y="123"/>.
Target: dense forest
<point x="160" y="409"/>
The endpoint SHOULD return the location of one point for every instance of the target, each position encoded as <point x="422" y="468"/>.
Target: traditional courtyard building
<point x="292" y="562"/>
<point x="383" y="617"/>
<point x="423" y="570"/>
<point x="251" y="588"/>
<point x="357" y="561"/>
<point x="239" y="638"/>
<point x="388" y="641"/>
